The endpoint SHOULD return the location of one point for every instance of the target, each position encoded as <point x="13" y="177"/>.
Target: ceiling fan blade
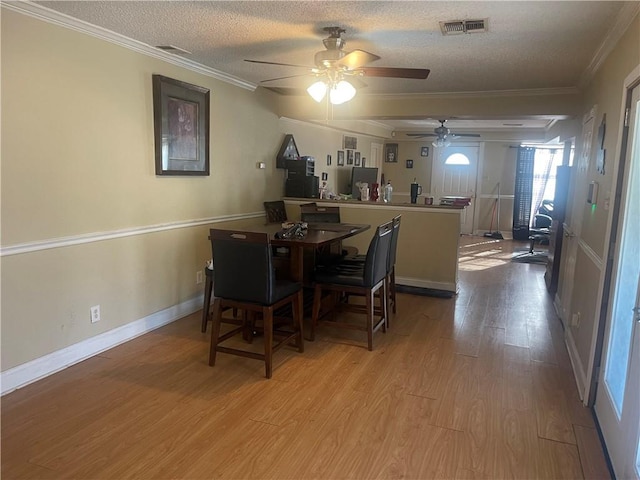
<point x="282" y="78"/>
<point x="357" y="59"/>
<point x="421" y="135"/>
<point x="356" y="82"/>
<point x="464" y="135"/>
<point x="416" y="73"/>
<point x="287" y="91"/>
<point x="275" y="63"/>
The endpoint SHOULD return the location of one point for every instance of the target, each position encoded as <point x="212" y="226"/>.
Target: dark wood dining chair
<point x="244" y="278"/>
<point x="312" y="213"/>
<point x="356" y="262"/>
<point x="344" y="279"/>
<point x="276" y="211"/>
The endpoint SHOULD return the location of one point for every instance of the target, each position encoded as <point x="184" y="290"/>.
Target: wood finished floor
<point x="477" y="386"/>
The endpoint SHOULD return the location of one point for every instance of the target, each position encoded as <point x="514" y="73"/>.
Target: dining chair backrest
<point x="375" y="266"/>
<point x="243" y="267"/>
<point x="319" y="214"/>
<point x="276" y="211"/>
<point x="394" y="241"/>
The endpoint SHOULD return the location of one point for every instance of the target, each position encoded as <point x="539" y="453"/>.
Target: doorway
<point x="454" y="173"/>
<point x="617" y="402"/>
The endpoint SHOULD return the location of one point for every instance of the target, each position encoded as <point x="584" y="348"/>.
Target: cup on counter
<point x="428" y="200"/>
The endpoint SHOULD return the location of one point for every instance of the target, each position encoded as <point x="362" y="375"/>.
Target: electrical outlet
<point x="95" y="313"/>
<point x="198" y="277"/>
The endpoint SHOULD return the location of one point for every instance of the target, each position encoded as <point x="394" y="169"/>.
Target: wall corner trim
<point x="29" y="372"/>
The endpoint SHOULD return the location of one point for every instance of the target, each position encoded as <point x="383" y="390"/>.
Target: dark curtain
<point x="523" y="193"/>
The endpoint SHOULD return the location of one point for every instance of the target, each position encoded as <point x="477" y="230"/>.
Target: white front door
<point x="452" y="175"/>
<point x="618" y="396"/>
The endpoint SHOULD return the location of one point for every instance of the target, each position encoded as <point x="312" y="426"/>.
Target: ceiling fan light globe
<point x="317" y="91"/>
<point x="342" y="92"/>
<point x="441" y="142"/>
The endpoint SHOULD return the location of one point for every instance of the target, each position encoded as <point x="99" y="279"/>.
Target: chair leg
<point x="208" y="286"/>
<point x="392" y="289"/>
<point x="384" y="306"/>
<point x="370" y="319"/>
<point x="248" y="322"/>
<point x="317" y="298"/>
<point x="215" y="330"/>
<point x="298" y="315"/>
<point x="267" y="313"/>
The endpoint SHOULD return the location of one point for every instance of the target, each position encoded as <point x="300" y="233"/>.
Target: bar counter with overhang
<point x="427" y="255"/>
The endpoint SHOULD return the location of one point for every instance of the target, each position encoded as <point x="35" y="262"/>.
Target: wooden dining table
<point x="316" y="236"/>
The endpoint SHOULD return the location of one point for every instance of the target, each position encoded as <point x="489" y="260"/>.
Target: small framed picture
<point x="409" y="163"/>
<point x="328" y="159"/>
<point x="325" y="176"/>
<point x="356" y="159"/>
<point x="340" y="158"/>
<point x="424" y="152"/>
<point x="349" y="157"/>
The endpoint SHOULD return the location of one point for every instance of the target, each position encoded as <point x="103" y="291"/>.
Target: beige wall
<point x="401" y="177"/>
<point x="318" y="141"/>
<point x="606" y="92"/>
<point x="78" y="158"/>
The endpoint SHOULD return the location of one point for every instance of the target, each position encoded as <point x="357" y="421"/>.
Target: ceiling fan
<point x="443" y="135"/>
<point x="336" y="70"/>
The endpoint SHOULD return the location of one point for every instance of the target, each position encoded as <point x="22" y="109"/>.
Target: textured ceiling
<point x="528" y="45"/>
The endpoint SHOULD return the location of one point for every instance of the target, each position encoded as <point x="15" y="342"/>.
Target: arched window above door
<point x="457" y="159"/>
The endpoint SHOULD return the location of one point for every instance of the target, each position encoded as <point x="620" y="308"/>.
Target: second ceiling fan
<point x="442" y="135"/>
<point x="336" y="69"/>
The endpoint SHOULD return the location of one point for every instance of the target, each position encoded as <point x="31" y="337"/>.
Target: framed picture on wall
<point x="349" y="157"/>
<point x="356" y="159"/>
<point x="340" y="158"/>
<point x="349" y="143"/>
<point x="424" y="152"/>
<point x="409" y="163"/>
<point x="328" y="159"/>
<point x="180" y="127"/>
<point x="391" y="153"/>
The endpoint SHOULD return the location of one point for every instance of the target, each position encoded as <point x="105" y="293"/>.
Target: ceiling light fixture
<point x="339" y="92"/>
<point x="441" y="142"/>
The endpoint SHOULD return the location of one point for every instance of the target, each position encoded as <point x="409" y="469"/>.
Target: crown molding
<point x="56" y="18"/>
<point x="488" y="93"/>
<point x="625" y="16"/>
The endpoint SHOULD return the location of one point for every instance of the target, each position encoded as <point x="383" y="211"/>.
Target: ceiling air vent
<point x="173" y="49"/>
<point x="456" y="27"/>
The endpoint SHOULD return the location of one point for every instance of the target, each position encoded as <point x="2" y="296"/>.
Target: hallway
<point x="477" y="386"/>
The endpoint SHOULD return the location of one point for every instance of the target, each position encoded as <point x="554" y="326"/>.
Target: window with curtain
<point x="546" y="163"/>
<point x="523" y="193"/>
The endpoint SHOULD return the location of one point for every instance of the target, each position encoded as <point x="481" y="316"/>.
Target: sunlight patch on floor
<point x="483" y="254"/>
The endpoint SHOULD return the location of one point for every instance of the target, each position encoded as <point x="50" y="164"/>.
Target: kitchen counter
<point x="337" y="202"/>
<point x="428" y="243"/>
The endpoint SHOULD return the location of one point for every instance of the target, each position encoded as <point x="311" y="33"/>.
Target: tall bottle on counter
<point x="387" y="192"/>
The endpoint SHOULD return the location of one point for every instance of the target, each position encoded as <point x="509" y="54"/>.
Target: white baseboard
<point x="578" y="371"/>
<point x="417" y="282"/>
<point x="29" y="372"/>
